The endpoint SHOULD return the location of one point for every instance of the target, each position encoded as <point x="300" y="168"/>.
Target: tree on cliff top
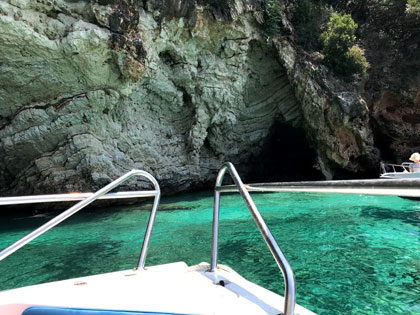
<point x="413" y="7"/>
<point x="339" y="49"/>
<point x="272" y="17"/>
<point x="307" y="18"/>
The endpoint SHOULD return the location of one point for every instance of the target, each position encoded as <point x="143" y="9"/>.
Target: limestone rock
<point x="86" y="96"/>
<point x="336" y="121"/>
<point x="92" y="89"/>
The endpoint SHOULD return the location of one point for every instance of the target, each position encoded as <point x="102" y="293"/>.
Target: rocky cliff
<point x="92" y="89"/>
<point x="391" y="37"/>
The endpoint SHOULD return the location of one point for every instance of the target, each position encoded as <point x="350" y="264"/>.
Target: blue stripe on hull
<point x="47" y="310"/>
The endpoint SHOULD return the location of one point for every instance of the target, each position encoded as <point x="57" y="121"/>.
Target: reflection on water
<point x="351" y="254"/>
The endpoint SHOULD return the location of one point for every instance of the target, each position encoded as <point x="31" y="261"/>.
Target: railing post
<point x="287" y="272"/>
<point x="148" y="233"/>
<point x="216" y="211"/>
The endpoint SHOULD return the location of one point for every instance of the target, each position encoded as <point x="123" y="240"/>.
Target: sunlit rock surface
<point x="87" y="93"/>
<point x="92" y="89"/>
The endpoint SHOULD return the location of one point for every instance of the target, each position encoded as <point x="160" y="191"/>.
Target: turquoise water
<point x="351" y="254"/>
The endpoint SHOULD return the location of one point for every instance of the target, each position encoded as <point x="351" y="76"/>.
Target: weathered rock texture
<point x="392" y="41"/>
<point x="91" y="89"/>
<point x="336" y="118"/>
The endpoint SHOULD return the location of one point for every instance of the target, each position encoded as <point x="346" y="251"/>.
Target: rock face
<point x="391" y="38"/>
<point x="92" y="89"/>
<point x="336" y="117"/>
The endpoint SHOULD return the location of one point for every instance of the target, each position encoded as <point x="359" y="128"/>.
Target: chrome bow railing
<point x="288" y="275"/>
<point x="290" y="291"/>
<point x="87" y="198"/>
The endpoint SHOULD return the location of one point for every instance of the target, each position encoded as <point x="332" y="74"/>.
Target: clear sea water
<point x="351" y="254"/>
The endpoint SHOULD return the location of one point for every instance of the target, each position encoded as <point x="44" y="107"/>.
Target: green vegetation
<point x="307" y="18"/>
<point x="272" y="18"/>
<point x="413" y="7"/>
<point x="339" y="49"/>
<point x="389" y="32"/>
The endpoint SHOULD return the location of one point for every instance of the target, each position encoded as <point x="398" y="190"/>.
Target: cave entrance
<point x="286" y="156"/>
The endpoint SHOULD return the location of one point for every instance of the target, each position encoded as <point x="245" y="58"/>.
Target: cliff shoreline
<point x="92" y="89"/>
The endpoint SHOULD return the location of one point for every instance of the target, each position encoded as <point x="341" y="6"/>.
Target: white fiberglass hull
<point x="172" y="288"/>
<point x="401" y="175"/>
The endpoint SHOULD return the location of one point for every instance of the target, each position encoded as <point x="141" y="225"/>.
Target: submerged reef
<point x="92" y="89"/>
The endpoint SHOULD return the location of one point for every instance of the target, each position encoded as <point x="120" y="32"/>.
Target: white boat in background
<point x="400" y="171"/>
<point x="173" y="288"/>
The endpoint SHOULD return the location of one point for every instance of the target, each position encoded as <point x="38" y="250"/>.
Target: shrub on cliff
<point x="413" y="7"/>
<point x="339" y="49"/>
<point x="307" y="18"/>
<point x="272" y="18"/>
<point x="356" y="61"/>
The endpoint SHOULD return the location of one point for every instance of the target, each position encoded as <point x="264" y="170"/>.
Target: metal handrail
<point x="407" y="187"/>
<point x="102" y="193"/>
<point x="20" y="200"/>
<point x="405" y="166"/>
<point x="286" y="269"/>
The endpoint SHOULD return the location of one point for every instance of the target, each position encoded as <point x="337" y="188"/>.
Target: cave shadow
<point x="286" y="156"/>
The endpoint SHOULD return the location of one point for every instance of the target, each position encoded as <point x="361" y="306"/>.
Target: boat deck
<point x="172" y="288"/>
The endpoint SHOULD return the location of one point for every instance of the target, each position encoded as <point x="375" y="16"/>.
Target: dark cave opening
<point x="382" y="142"/>
<point x="286" y="156"/>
